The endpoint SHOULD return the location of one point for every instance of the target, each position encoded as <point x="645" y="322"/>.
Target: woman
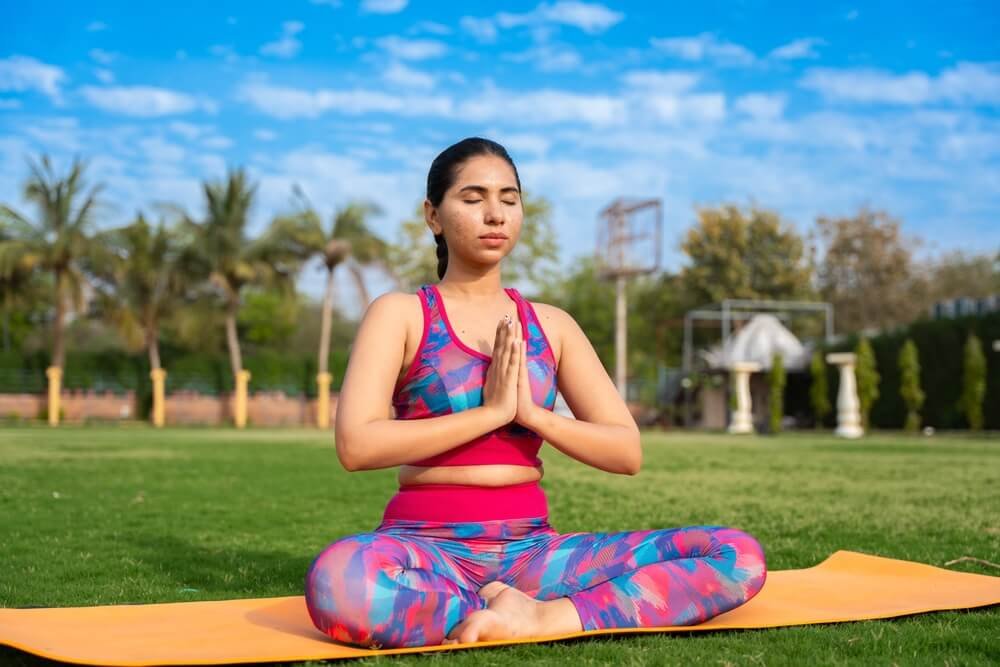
<point x="464" y="551"/>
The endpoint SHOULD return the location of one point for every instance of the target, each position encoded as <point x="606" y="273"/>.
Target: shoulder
<point x="557" y="324"/>
<point x="392" y="306"/>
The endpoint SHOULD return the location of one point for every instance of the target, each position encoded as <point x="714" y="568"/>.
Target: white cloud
<point x="798" y="49"/>
<point x="102" y="57"/>
<point x="21" y="73"/>
<point x="964" y="83"/>
<point x="592" y="18"/>
<point x="411" y="49"/>
<point x="286" y="102"/>
<point x="548" y="58"/>
<point x="264" y="135"/>
<point x="543" y="107"/>
<point x="383" y="6"/>
<point x="224" y="51"/>
<point x="400" y="74"/>
<point x="9" y="103"/>
<point x="286" y="46"/>
<point x="704" y="47"/>
<point x="145" y="101"/>
<point x="483" y="30"/>
<point x="431" y="27"/>
<point x="104" y="75"/>
<point x="662" y="81"/>
<point x="762" y="105"/>
<point x="696" y="108"/>
<point x="96" y="26"/>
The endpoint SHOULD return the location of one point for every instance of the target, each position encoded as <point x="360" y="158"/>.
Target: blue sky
<point x="890" y="104"/>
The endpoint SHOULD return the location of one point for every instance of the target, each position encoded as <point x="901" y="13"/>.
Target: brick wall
<point x="183" y="407"/>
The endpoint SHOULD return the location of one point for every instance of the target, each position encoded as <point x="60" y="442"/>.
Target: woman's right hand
<point x="500" y="387"/>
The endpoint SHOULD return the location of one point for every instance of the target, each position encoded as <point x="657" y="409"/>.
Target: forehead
<point x="485" y="170"/>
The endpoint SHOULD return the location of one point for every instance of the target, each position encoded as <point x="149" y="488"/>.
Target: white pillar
<point x="848" y="407"/>
<point x="742" y="417"/>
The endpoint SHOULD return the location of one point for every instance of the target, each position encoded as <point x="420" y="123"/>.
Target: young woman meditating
<point x="464" y="551"/>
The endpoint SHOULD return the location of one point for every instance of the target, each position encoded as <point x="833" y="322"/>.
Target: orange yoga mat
<point x="847" y="586"/>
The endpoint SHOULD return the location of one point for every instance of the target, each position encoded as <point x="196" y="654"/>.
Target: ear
<point x="430" y="217"/>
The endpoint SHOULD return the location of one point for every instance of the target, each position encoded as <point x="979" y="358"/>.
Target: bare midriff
<point x="477" y="475"/>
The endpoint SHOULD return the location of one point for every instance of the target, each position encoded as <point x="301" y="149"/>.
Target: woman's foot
<point x="510" y="613"/>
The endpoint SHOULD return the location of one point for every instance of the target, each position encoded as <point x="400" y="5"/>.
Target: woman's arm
<point x="604" y="434"/>
<point x="367" y="435"/>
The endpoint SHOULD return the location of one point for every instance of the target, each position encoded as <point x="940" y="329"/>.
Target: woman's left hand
<point x="526" y="407"/>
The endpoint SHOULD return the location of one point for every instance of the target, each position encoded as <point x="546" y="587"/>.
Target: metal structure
<point x="628" y="244"/>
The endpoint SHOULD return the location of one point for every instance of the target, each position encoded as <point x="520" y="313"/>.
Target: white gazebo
<point x="750" y="349"/>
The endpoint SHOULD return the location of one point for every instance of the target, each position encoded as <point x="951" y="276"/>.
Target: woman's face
<point x="483" y="200"/>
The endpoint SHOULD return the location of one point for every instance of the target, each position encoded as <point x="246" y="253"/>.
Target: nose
<point x="493" y="212"/>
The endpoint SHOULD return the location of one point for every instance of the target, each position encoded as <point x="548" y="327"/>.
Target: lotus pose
<point x="464" y="551"/>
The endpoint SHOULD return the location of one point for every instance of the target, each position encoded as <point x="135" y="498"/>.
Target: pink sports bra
<point x="446" y="376"/>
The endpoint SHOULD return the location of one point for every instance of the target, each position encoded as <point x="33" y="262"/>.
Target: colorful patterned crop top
<point x="446" y="376"/>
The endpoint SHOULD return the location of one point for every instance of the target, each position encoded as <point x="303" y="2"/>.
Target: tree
<point x="973" y="382"/>
<point x="867" y="379"/>
<point x="819" y="395"/>
<point x="414" y="255"/>
<point x="744" y="255"/>
<point x="909" y="384"/>
<point x="219" y="249"/>
<point x="268" y="316"/>
<point x="145" y="284"/>
<point x="957" y="274"/>
<point x="348" y="241"/>
<point x="55" y="242"/>
<point x="867" y="272"/>
<point x="776" y="380"/>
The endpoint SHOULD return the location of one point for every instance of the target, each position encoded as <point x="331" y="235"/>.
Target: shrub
<point x="776" y="380"/>
<point x="867" y="379"/>
<point x="819" y="395"/>
<point x="909" y="384"/>
<point x="973" y="382"/>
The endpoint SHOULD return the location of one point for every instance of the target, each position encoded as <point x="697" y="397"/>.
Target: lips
<point x="493" y="236"/>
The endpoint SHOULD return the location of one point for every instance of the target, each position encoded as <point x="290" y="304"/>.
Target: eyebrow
<point x="482" y="190"/>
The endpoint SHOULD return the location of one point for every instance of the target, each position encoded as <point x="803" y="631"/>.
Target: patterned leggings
<point x="409" y="583"/>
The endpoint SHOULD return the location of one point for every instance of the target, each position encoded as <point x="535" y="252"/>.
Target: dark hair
<point x="441" y="176"/>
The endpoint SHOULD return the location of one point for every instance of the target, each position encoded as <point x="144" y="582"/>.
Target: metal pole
<point x="687" y="369"/>
<point x="620" y="374"/>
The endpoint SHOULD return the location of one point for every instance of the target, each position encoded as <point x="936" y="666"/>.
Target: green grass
<point x="96" y="516"/>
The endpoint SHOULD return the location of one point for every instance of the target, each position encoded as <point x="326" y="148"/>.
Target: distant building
<point x="964" y="306"/>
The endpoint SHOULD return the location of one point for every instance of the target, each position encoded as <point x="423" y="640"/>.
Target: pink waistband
<point x="462" y="502"/>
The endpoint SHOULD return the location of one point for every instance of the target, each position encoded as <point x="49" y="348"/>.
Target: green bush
<point x="973" y="383"/>
<point x="819" y="396"/>
<point x="909" y="384"/>
<point x="867" y="379"/>
<point x="776" y="380"/>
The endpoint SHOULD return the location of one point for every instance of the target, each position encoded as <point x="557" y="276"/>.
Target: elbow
<point x="347" y="456"/>
<point x="633" y="462"/>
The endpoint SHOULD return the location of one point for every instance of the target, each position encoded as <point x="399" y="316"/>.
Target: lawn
<point x="104" y="515"/>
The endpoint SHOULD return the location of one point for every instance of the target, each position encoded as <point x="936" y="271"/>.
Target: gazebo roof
<point x="762" y="337"/>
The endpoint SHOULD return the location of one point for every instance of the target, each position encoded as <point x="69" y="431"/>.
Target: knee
<point x="749" y="560"/>
<point x="335" y="591"/>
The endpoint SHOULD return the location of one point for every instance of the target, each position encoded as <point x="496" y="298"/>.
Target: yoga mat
<point x="847" y="586"/>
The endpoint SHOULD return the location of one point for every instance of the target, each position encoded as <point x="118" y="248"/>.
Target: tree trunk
<point x="153" y="346"/>
<point x="58" y="343"/>
<point x="324" y="332"/>
<point x="235" y="360"/>
<point x="359" y="282"/>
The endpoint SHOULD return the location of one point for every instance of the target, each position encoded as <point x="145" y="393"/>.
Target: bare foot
<point x="509" y="613"/>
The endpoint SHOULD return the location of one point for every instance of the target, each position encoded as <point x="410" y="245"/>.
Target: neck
<point x="467" y="285"/>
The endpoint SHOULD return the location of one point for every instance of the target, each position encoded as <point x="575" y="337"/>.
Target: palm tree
<point x="145" y="287"/>
<point x="142" y="272"/>
<point x="347" y="238"/>
<point x="56" y="242"/>
<point x="219" y="249"/>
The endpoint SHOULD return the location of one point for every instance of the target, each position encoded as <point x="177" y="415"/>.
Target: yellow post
<point x="54" y="373"/>
<point x="323" y="400"/>
<point x="159" y="376"/>
<point x="240" y="409"/>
